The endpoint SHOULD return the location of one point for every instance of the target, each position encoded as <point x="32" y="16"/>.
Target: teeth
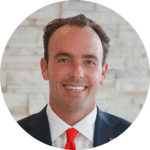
<point x="77" y="88"/>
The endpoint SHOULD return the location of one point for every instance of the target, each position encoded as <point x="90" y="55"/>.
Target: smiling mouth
<point x="75" y="88"/>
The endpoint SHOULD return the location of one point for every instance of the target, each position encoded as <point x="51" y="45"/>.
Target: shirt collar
<point x="84" y="126"/>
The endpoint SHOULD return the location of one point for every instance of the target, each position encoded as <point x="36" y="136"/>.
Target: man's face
<point x="74" y="68"/>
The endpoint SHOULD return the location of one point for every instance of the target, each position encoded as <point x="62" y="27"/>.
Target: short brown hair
<point x="80" y="21"/>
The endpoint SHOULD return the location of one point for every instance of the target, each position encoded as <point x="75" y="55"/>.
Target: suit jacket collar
<point x="104" y="125"/>
<point x="103" y="128"/>
<point x="40" y="125"/>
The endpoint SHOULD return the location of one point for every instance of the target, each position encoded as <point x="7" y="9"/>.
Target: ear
<point x="104" y="73"/>
<point x="44" y="68"/>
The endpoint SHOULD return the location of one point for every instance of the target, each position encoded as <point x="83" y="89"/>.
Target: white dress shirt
<point x="84" y="138"/>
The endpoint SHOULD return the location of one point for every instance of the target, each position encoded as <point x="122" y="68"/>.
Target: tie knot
<point x="71" y="134"/>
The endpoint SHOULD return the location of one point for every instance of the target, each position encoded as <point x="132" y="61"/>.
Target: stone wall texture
<point x="127" y="82"/>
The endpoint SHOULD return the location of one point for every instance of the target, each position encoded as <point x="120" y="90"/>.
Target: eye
<point x="89" y="62"/>
<point x="63" y="60"/>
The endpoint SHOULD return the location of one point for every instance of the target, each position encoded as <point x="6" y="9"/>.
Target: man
<point x="74" y="64"/>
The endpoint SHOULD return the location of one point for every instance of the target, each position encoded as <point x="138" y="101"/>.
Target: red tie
<point x="71" y="135"/>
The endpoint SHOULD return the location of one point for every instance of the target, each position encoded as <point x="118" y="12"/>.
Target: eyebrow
<point x="90" y="56"/>
<point x="69" y="55"/>
<point x="63" y="54"/>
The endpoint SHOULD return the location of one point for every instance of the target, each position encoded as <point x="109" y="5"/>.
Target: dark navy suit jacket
<point x="107" y="127"/>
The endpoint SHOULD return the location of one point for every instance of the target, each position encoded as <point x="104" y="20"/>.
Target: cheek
<point x="94" y="75"/>
<point x="94" y="82"/>
<point x="58" y="73"/>
<point x="95" y="78"/>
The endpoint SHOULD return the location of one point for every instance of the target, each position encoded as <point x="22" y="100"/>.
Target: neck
<point x="69" y="116"/>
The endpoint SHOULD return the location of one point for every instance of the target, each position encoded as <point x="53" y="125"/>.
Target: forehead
<point x="75" y="39"/>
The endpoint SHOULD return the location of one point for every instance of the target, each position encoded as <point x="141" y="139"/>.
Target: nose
<point x="77" y="71"/>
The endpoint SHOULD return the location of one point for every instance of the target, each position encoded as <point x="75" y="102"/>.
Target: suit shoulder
<point x="24" y="120"/>
<point x="112" y="119"/>
<point x="32" y="119"/>
<point x="121" y="120"/>
<point x="26" y="123"/>
<point x="118" y="125"/>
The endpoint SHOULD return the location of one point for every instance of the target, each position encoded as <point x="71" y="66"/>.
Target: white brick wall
<point x="132" y="84"/>
<point x="24" y="78"/>
<point x="3" y="82"/>
<point x="49" y="12"/>
<point x="17" y="103"/>
<point x="126" y="86"/>
<point x="37" y="101"/>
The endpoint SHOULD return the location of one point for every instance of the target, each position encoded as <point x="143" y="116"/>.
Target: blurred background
<point x="127" y="81"/>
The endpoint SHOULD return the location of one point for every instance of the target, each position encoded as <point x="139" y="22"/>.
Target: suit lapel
<point x="40" y="127"/>
<point x="103" y="132"/>
<point x="103" y="128"/>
